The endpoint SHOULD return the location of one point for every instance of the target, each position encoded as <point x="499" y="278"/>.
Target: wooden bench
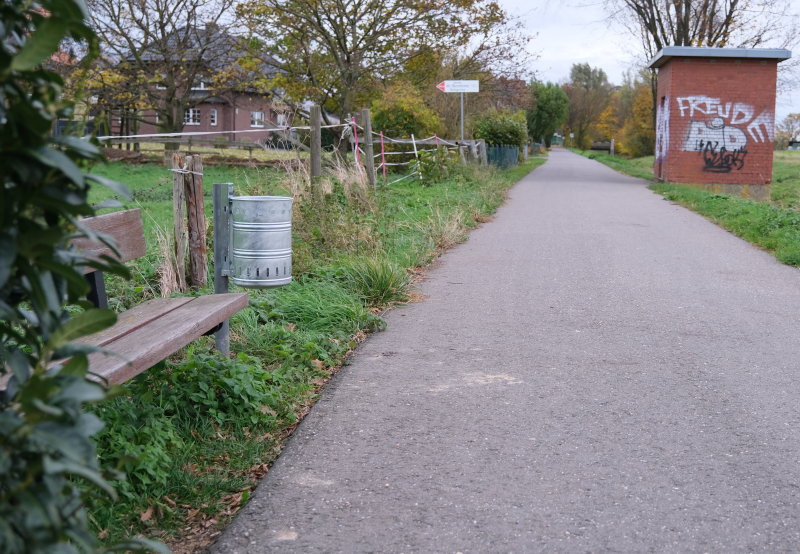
<point x="153" y="330"/>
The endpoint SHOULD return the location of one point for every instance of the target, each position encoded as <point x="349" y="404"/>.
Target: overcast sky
<point x="578" y="31"/>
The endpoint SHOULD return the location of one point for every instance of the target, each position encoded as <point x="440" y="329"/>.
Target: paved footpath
<point x="596" y="369"/>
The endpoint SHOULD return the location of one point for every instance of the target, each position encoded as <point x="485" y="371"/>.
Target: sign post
<point x="460" y="87"/>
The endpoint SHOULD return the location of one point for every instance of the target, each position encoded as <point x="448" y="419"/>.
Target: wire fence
<point x="372" y="151"/>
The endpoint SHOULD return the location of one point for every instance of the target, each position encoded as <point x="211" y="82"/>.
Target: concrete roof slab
<point x="669" y="52"/>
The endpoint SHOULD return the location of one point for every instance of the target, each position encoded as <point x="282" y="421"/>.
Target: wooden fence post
<point x="369" y="163"/>
<point x="196" y="222"/>
<point x="316" y="141"/>
<point x="178" y="225"/>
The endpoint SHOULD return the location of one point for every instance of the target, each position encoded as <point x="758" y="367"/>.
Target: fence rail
<point x="370" y="149"/>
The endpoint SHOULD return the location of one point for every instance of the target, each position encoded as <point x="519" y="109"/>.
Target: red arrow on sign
<point x="441" y="86"/>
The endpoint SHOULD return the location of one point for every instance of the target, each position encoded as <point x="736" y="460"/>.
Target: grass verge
<point x="773" y="225"/>
<point x="194" y="434"/>
<point x="635" y="167"/>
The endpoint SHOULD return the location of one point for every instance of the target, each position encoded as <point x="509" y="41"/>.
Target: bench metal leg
<point x="97" y="292"/>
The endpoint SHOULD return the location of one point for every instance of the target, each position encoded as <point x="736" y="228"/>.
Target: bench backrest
<point x="125" y="227"/>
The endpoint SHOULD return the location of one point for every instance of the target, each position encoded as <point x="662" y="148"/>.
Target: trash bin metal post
<point x="222" y="212"/>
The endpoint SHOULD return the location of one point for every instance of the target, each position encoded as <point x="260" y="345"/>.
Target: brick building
<point x="715" y="120"/>
<point x="194" y="79"/>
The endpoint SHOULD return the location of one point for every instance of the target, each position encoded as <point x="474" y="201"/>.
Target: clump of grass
<point x="169" y="281"/>
<point x="446" y="230"/>
<point x="377" y="280"/>
<point x="333" y="215"/>
<point x="320" y="305"/>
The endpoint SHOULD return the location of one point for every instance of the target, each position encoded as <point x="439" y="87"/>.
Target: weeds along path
<point x="596" y="369"/>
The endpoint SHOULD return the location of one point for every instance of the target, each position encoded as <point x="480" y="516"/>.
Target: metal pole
<point x="462" y="116"/>
<point x="222" y="216"/>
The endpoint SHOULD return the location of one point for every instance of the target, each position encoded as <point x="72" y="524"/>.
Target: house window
<point x="191" y="116"/>
<point x="256" y="119"/>
<point x="200" y="86"/>
<point x="212" y="116"/>
<point x="281" y="119"/>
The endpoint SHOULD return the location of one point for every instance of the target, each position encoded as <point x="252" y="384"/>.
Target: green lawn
<point x="786" y="179"/>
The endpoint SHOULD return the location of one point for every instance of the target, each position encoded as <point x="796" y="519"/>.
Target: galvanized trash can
<point x="261" y="241"/>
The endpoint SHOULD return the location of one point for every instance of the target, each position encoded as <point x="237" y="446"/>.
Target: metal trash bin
<point x="261" y="241"/>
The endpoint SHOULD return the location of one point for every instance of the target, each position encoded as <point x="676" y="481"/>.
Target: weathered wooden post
<point x="369" y="163"/>
<point x="316" y="141"/>
<point x="178" y="220"/>
<point x="222" y="191"/>
<point x="196" y="222"/>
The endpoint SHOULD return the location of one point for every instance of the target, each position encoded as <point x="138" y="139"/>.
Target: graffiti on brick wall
<point x="720" y="132"/>
<point x="662" y="129"/>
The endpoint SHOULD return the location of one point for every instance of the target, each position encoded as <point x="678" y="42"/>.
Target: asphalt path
<point x="595" y="370"/>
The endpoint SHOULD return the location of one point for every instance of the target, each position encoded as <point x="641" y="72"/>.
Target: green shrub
<point x="48" y="462"/>
<point x="139" y="439"/>
<point x="434" y="166"/>
<point x="227" y="392"/>
<point x="401" y="112"/>
<point x="501" y="128"/>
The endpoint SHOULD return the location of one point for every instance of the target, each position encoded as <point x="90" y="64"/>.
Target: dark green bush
<point x="501" y="128"/>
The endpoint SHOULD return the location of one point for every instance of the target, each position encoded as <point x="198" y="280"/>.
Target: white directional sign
<point x="458" y="86"/>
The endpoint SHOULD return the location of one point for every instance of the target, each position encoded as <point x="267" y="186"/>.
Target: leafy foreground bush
<point x="48" y="465"/>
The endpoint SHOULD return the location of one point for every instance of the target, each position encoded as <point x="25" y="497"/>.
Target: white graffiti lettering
<point x="730" y="135"/>
<point x="703" y="104"/>
<point x="765" y="120"/>
<point x="742" y="113"/>
<point x="662" y="129"/>
<point x="714" y="131"/>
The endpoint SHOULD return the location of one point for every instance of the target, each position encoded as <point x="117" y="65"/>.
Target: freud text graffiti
<point x="721" y="131"/>
<point x="761" y="128"/>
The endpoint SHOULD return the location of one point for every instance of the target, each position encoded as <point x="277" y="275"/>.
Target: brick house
<point x="236" y="111"/>
<point x="233" y="110"/>
<point x="715" y="121"/>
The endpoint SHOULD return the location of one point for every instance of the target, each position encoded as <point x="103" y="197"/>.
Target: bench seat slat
<point x="148" y="344"/>
<point x="131" y="320"/>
